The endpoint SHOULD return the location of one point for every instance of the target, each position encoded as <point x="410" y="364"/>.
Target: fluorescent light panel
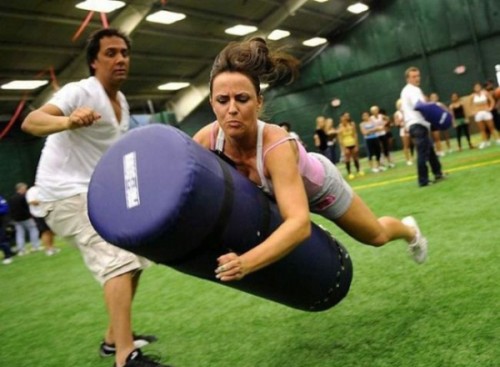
<point x="24" y="84"/>
<point x="313" y="42"/>
<point x="165" y="17"/>
<point x="173" y="86"/>
<point x="101" y="6"/>
<point x="357" y="8"/>
<point x="241" y="30"/>
<point x="321" y="1"/>
<point x="278" y="34"/>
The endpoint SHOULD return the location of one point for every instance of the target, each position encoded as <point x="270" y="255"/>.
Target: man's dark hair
<point x="93" y="44"/>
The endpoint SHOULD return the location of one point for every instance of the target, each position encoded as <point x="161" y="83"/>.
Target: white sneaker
<point x="7" y="261"/>
<point x="482" y="145"/>
<point x="409" y="163"/>
<point x="375" y="170"/>
<point x="52" y="251"/>
<point x="22" y="252"/>
<point x="418" y="247"/>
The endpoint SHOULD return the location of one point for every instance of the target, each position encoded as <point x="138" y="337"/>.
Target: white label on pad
<point x="131" y="181"/>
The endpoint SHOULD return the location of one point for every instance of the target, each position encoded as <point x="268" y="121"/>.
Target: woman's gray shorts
<point x="335" y="197"/>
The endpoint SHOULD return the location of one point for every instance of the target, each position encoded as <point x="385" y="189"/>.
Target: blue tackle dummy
<point x="158" y="194"/>
<point x="438" y="117"/>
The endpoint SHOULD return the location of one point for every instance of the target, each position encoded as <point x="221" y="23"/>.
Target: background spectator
<point x="460" y="122"/>
<point x="381" y="121"/>
<point x="481" y="105"/>
<point x="4" y="242"/>
<point x="23" y="221"/>
<point x="333" y="146"/>
<point x="370" y="129"/>
<point x="436" y="134"/>
<point x="404" y="134"/>
<point x="348" y="137"/>
<point x="288" y="127"/>
<point x="320" y="138"/>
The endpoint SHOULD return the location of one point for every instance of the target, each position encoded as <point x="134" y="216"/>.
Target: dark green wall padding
<point x="19" y="154"/>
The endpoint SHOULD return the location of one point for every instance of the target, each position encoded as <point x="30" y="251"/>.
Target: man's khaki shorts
<point x="68" y="218"/>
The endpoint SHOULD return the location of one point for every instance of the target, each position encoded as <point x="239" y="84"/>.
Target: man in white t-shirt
<point x="82" y="121"/>
<point x="419" y="128"/>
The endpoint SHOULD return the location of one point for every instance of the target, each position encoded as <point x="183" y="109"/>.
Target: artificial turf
<point x="397" y="313"/>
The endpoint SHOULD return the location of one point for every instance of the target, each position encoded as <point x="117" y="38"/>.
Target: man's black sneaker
<point x="429" y="183"/>
<point x="440" y="177"/>
<point x="108" y="350"/>
<point x="137" y="359"/>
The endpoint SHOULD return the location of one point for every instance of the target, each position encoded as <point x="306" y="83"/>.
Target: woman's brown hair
<point x="253" y="58"/>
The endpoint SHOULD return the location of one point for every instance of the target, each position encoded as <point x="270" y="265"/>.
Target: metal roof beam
<point x="23" y="47"/>
<point x="168" y="35"/>
<point x="34" y="16"/>
<point x="314" y="13"/>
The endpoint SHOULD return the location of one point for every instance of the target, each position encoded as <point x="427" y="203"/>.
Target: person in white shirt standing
<point x="419" y="129"/>
<point x="481" y="106"/>
<point x="82" y="121"/>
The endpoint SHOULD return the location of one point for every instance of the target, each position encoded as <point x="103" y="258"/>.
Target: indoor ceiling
<point x="37" y="41"/>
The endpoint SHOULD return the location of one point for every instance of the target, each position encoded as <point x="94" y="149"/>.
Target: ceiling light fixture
<point x="278" y="34"/>
<point x="315" y="41"/>
<point x="357" y="8"/>
<point x="165" y="17"/>
<point x="101" y="6"/>
<point x="24" y="84"/>
<point x="173" y="86"/>
<point x="321" y="1"/>
<point x="241" y="30"/>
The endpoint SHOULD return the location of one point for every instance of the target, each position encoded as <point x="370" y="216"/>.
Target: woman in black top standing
<point x="460" y="122"/>
<point x="320" y="136"/>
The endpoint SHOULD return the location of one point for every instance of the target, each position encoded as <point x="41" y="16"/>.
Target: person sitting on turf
<point x="277" y="163"/>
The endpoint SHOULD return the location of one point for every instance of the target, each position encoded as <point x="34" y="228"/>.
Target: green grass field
<point x="397" y="313"/>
